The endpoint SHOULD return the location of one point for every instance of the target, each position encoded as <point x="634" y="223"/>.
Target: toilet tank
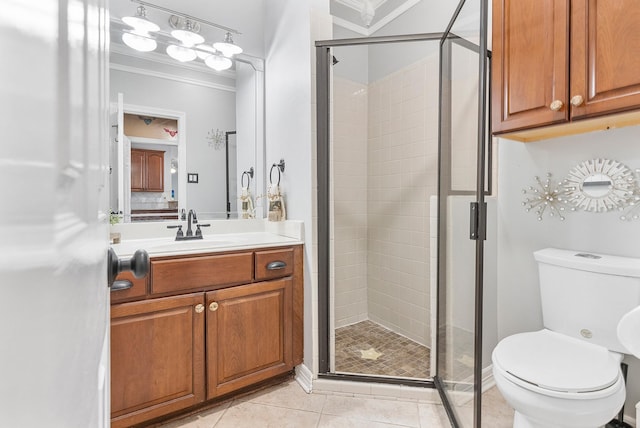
<point x="584" y="295"/>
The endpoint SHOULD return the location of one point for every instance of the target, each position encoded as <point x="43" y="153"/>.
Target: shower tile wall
<point x="350" y="201"/>
<point x="385" y="169"/>
<point x="402" y="174"/>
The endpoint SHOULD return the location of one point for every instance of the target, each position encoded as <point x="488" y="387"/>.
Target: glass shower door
<point x="462" y="212"/>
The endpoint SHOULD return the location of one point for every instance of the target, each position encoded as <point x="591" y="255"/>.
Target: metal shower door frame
<point x="323" y="63"/>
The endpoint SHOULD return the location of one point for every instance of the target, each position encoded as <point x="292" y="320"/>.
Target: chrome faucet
<point x="191" y="218"/>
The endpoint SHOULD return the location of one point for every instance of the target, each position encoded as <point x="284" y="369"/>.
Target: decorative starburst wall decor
<point x="632" y="211"/>
<point x="596" y="185"/>
<point x="600" y="185"/>
<point x="216" y="139"/>
<point x="547" y="197"/>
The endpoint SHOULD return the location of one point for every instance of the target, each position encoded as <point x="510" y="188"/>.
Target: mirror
<point x="597" y="185"/>
<point x="219" y="114"/>
<point x="600" y="185"/>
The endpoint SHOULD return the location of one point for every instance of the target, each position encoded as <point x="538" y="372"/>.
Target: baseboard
<point x="304" y="377"/>
<point x="487" y="378"/>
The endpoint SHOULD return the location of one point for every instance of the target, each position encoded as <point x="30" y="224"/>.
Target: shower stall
<point x="401" y="212"/>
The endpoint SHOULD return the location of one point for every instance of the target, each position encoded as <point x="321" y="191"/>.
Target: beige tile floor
<point x="287" y="405"/>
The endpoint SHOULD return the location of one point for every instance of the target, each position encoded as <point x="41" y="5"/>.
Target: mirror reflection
<point x="183" y="132"/>
<point x="597" y="185"/>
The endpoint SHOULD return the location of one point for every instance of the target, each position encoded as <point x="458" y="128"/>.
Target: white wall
<point x="520" y="233"/>
<point x="291" y="26"/>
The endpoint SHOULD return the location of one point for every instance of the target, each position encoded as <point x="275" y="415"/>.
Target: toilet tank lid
<point x="592" y="262"/>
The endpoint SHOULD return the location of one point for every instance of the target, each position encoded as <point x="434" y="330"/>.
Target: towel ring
<point x="242" y="179"/>
<point x="271" y="174"/>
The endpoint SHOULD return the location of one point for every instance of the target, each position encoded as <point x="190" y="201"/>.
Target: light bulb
<point x="181" y="53"/>
<point x="204" y="51"/>
<point x="218" y="62"/>
<point x="227" y="47"/>
<point x="140" y="21"/>
<point x="139" y="40"/>
<point x="187" y="36"/>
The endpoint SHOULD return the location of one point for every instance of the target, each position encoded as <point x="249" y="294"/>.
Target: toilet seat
<point x="557" y="365"/>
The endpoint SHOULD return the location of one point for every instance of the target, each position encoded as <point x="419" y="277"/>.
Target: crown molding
<point x="378" y="25"/>
<point x="357" y="4"/>
<point x="173" y="77"/>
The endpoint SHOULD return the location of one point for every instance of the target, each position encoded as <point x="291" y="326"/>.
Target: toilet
<point x="568" y="375"/>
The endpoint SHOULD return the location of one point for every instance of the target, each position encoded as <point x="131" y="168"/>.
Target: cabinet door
<point x="605" y="56"/>
<point x="249" y="335"/>
<point x="155" y="171"/>
<point x="157" y="357"/>
<point x="137" y="170"/>
<point x="530" y="63"/>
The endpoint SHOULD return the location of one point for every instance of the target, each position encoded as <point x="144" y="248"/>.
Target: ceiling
<point x="349" y="13"/>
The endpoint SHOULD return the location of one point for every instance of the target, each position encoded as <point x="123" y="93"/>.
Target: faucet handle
<point x="179" y="233"/>
<point x="198" y="231"/>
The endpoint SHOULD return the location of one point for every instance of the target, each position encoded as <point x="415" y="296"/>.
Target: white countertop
<point x="157" y="243"/>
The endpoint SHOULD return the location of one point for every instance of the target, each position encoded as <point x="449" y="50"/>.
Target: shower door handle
<point x="478" y="221"/>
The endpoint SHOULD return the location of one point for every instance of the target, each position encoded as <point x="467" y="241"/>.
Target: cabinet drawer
<point x="139" y="288"/>
<point x="274" y="263"/>
<point x="196" y="272"/>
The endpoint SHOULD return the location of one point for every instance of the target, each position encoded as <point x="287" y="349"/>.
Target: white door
<point x="54" y="312"/>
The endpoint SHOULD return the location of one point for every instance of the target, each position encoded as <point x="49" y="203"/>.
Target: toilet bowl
<point x="568" y="374"/>
<point x="552" y="380"/>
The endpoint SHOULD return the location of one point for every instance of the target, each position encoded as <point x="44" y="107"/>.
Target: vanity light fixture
<point x="187" y="33"/>
<point x="181" y="53"/>
<point x="184" y="43"/>
<point x="139" y="40"/>
<point x="204" y="51"/>
<point x="218" y="62"/>
<point x="140" y="21"/>
<point x="227" y="47"/>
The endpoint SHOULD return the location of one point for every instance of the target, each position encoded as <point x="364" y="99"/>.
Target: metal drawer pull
<point x="213" y="306"/>
<point x="199" y="308"/>
<point x="122" y="284"/>
<point x="276" y="265"/>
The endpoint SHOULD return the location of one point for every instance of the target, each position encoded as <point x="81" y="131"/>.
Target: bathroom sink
<point x="170" y="245"/>
<point x="196" y="244"/>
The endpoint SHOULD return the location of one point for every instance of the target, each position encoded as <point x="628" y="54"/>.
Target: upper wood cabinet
<point x="147" y="170"/>
<point x="556" y="61"/>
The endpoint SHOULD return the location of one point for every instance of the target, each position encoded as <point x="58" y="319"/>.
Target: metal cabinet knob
<point x="577" y="100"/>
<point x="213" y="306"/>
<point x="556" y="105"/>
<point x="199" y="308"/>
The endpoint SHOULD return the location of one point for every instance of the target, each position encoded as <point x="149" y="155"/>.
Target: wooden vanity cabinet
<point x="157" y="357"/>
<point x="147" y="170"/>
<point x="203" y="326"/>
<point x="559" y="61"/>
<point x="249" y="335"/>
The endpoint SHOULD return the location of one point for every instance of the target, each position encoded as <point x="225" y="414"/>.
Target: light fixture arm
<point x="185" y="16"/>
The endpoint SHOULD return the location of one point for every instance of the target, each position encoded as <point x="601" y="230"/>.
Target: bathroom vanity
<point x="212" y="317"/>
